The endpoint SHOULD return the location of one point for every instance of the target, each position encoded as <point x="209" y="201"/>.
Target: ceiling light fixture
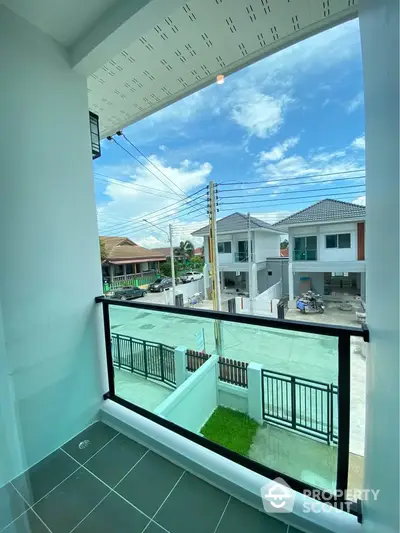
<point x="220" y="79"/>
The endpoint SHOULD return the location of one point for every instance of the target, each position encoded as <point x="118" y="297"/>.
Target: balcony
<point x="290" y="382"/>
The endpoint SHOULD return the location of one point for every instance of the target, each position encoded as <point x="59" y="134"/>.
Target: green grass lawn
<point x="231" y="429"/>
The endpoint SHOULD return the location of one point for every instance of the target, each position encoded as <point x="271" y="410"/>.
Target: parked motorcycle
<point x="310" y="302"/>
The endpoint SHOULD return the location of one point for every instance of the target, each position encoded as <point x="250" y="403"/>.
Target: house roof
<point x="236" y="222"/>
<point x="198" y="251"/>
<point x="284" y="252"/>
<point x="324" y="211"/>
<point x="119" y="248"/>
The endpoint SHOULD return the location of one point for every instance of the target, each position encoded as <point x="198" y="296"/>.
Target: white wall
<point x="187" y="289"/>
<point x="193" y="402"/>
<point x="337" y="254"/>
<point x="321" y="230"/>
<point x="379" y="26"/>
<point x="266" y="245"/>
<point x="49" y="366"/>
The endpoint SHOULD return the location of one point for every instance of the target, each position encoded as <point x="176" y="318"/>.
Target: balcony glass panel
<point x="282" y="414"/>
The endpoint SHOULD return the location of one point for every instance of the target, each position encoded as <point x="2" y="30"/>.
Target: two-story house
<point x="235" y="262"/>
<point x="327" y="249"/>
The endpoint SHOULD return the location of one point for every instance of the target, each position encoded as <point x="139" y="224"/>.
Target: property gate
<point x="149" y="359"/>
<point x="304" y="405"/>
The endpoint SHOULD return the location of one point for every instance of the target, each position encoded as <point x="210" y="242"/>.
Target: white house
<point x="235" y="263"/>
<point x="327" y="249"/>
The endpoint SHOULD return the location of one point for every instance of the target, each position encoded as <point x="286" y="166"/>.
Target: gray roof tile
<point x="236" y="222"/>
<point x="324" y="211"/>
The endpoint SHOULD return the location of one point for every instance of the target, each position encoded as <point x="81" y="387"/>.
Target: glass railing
<point x="243" y="257"/>
<point x="273" y="395"/>
<point x="305" y="255"/>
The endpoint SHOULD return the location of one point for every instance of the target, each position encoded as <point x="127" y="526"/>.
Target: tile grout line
<point x="112" y="489"/>
<point x="31" y="509"/>
<point x="90" y="512"/>
<point x="169" y="494"/>
<point x="222" y="514"/>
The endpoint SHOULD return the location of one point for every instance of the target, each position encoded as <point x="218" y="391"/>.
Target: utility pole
<point x="169" y="234"/>
<point x="249" y="262"/>
<point x="172" y="264"/>
<point x="213" y="245"/>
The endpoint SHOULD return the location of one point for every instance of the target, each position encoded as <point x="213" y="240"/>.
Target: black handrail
<point x="342" y="333"/>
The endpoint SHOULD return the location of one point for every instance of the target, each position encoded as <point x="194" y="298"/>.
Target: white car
<point x="191" y="276"/>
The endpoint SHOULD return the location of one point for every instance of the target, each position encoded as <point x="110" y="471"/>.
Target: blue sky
<point x="297" y="113"/>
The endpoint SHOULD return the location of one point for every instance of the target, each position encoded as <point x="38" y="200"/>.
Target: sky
<point x="276" y="137"/>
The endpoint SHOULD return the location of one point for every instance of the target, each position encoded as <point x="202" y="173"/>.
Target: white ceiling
<point x="185" y="51"/>
<point x="64" y="20"/>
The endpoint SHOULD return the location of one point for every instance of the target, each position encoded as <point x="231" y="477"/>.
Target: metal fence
<point x="149" y="359"/>
<point x="230" y="370"/>
<point x="304" y="405"/>
<point x="137" y="280"/>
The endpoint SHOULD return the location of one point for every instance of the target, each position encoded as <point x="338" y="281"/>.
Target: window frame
<point x="337" y="239"/>
<point x="306" y="249"/>
<point x="223" y="244"/>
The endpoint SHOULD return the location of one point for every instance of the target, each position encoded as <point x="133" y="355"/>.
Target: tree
<point x="186" y="249"/>
<point x="103" y="253"/>
<point x="284" y="244"/>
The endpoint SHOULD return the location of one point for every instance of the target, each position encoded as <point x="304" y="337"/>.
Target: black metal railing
<point x="149" y="359"/>
<point x="341" y="333"/>
<point x="303" y="405"/>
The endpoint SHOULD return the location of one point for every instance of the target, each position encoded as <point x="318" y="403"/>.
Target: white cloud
<point x="124" y="212"/>
<point x="355" y="103"/>
<point x="279" y="150"/>
<point x="359" y="201"/>
<point x="162" y="147"/>
<point x="261" y="115"/>
<point x="359" y="143"/>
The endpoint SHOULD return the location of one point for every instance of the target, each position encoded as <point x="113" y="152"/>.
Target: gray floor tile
<point x="69" y="503"/>
<point x="44" y="476"/>
<point x="154" y="528"/>
<point x="11" y="505"/>
<point x="113" y="514"/>
<point x="149" y="482"/>
<point x="96" y="436"/>
<point x="193" y="506"/>
<point x="27" y="523"/>
<point x="239" y="517"/>
<point x="116" y="459"/>
<point x="293" y="530"/>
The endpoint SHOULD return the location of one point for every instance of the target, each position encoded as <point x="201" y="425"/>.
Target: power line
<point x="144" y="187"/>
<point x="304" y="190"/>
<point x="223" y="183"/>
<point x="245" y="205"/>
<point x="169" y="215"/>
<point x="151" y="162"/>
<point x="167" y="208"/>
<point x="128" y="186"/>
<point x="143" y="165"/>
<point x="277" y="186"/>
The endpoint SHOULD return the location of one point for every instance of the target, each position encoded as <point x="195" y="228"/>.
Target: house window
<point x="343" y="240"/>
<point x="118" y="270"/>
<point x="305" y="248"/>
<point x="129" y="269"/>
<point x="225" y="247"/>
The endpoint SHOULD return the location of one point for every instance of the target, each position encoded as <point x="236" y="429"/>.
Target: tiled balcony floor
<point x="102" y="482"/>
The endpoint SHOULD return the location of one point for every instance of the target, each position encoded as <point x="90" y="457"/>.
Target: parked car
<point x="160" y="285"/>
<point x="191" y="276"/>
<point x="127" y="293"/>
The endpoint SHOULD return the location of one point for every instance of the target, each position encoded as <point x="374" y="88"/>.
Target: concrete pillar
<point x="291" y="281"/>
<point x="255" y="399"/>
<point x="49" y="351"/>
<point x="379" y="27"/>
<point x="180" y="364"/>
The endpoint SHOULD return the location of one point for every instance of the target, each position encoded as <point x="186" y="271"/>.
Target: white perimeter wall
<point x="50" y="268"/>
<point x="193" y="402"/>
